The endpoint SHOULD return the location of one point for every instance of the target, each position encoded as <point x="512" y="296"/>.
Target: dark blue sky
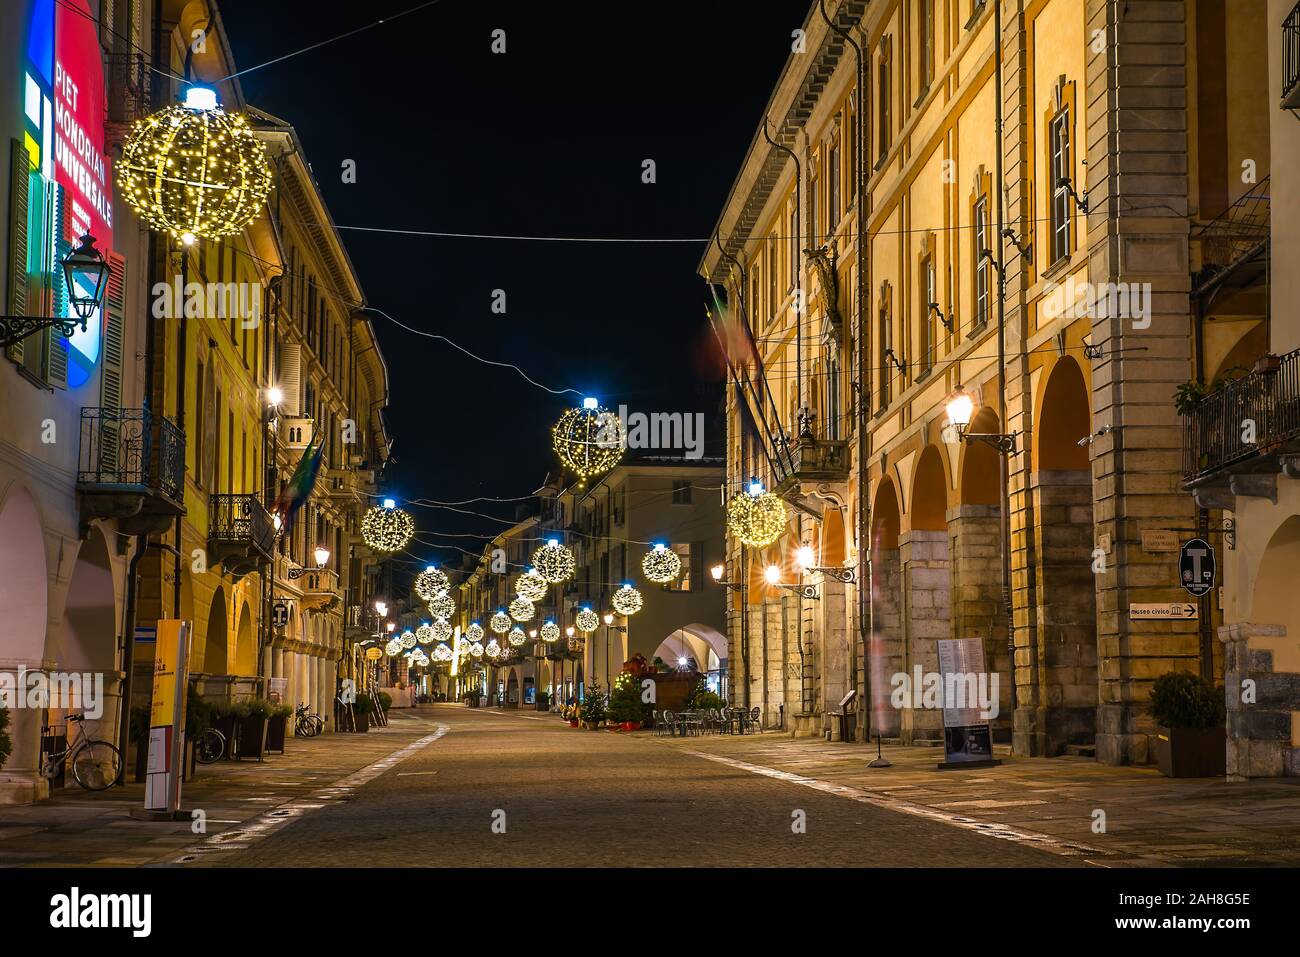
<point x="547" y="139"/>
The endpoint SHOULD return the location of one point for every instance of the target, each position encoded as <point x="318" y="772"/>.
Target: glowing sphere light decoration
<point x="627" y="600"/>
<point x="587" y="621"/>
<point x="393" y="648"/>
<point x="756" y="517"/>
<point x="442" y="652"/>
<point x="493" y="649"/>
<point x="442" y="606"/>
<point x="550" y="632"/>
<point x="193" y="170"/>
<point x="517" y="637"/>
<point x="499" y="622"/>
<point x="521" y="609"/>
<point x="589" y="440"/>
<point x="476" y="650"/>
<point x="531" y="585"/>
<point x="408" y="639"/>
<point x="424" y="634"/>
<point x="387" y="528"/>
<point x="474" y="632"/>
<point x="432" y="583"/>
<point x="661" y="564"/>
<point x="554" y="562"/>
<point x="442" y="630"/>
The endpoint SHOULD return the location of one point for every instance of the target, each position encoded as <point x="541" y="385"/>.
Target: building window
<point x="833" y="211"/>
<point x="1059" y="140"/>
<point x="794" y="245"/>
<point x="681" y="491"/>
<point x="771" y="276"/>
<point x="683" y="581"/>
<point x="831" y="413"/>
<point x="814" y="200"/>
<point x="885" y="340"/>
<point x="980" y="245"/>
<point x="928" y="296"/>
<point x="882" y="86"/>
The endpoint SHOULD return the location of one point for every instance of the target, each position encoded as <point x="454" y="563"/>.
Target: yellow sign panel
<point x="165" y="685"/>
<point x="374" y="654"/>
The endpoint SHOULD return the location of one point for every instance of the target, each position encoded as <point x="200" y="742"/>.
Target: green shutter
<point x="16" y="303"/>
<point x="55" y="372"/>
<point x="114" y="323"/>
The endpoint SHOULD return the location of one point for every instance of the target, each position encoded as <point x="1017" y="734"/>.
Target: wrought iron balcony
<point x="1236" y="239"/>
<point x="130" y="466"/>
<point x="1246" y="426"/>
<point x="241" y="535"/>
<point x="815" y="460"/>
<point x="1291" y="59"/>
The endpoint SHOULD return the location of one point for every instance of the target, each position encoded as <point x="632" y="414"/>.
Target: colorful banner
<point x="162" y="792"/>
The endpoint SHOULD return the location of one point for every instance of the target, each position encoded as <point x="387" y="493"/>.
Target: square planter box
<point x="276" y="725"/>
<point x="363" y="721"/>
<point x="1191" y="752"/>
<point x="252" y="738"/>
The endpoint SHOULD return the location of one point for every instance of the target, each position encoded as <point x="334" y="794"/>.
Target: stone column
<point x="926" y="619"/>
<point x="885" y="656"/>
<point x="1261" y="703"/>
<point x="975" y="552"/>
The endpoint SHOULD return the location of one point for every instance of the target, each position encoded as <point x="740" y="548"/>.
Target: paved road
<point x="582" y="798"/>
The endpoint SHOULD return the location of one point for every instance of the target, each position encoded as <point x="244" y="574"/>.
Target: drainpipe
<point x="863" y="386"/>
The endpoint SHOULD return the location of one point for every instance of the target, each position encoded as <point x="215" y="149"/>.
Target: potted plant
<point x="276" y="727"/>
<point x="625" y="705"/>
<point x="1190" y="740"/>
<point x="543" y="701"/>
<point x="592" y="711"/>
<point x="253" y="717"/>
<point x="385" y="702"/>
<point x="223" y="717"/>
<point x="361" y="708"/>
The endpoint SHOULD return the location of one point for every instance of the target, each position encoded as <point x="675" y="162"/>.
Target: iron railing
<point x="1247" y="416"/>
<point x="131" y="449"/>
<point x="241" y="520"/>
<point x="1235" y="235"/>
<point x="1291" y="58"/>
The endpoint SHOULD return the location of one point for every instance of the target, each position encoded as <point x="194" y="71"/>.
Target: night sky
<point x="545" y="140"/>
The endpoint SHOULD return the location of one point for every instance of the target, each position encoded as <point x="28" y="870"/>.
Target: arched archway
<point x="885" y="654"/>
<point x="926" y="579"/>
<point x="1066" y="653"/>
<point x="1273" y="601"/>
<point x="88" y="636"/>
<point x="215" y="638"/>
<point x="24" y="612"/>
<point x="245" y="644"/>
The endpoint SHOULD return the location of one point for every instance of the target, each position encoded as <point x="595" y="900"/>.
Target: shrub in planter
<point x="361" y="708"/>
<point x="385" y="701"/>
<point x="6" y="743"/>
<point x="543" y="701"/>
<point x="252" y="728"/>
<point x="276" y="726"/>
<point x="225" y="716"/>
<point x="592" y="711"/>
<point x="1190" y="741"/>
<point x="625" y="705"/>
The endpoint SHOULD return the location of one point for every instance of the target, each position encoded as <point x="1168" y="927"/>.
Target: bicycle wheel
<point x="97" y="765"/>
<point x="210" y="746"/>
<point x="50" y="767"/>
<point x="314" y="725"/>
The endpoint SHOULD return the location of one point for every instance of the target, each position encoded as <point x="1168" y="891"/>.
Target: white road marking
<point x="988" y="828"/>
<point x="263" y="826"/>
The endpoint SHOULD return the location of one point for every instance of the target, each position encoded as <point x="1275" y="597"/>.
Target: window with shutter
<point x="16" y="302"/>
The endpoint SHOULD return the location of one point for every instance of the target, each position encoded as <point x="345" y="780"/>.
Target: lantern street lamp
<point x="85" y="276"/>
<point x="960" y="408"/>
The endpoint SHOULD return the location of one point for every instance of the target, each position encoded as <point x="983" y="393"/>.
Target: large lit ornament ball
<point x="531" y="585"/>
<point x="550" y="632"/>
<point x="756" y="517"/>
<point x="493" y="649"/>
<point x="442" y="652"/>
<point x="474" y="632"/>
<point x="386" y="528"/>
<point x="661" y="564"/>
<point x="408" y="639"/>
<point x="517" y="637"/>
<point x="393" y="648"/>
<point x="627" y="601"/>
<point x="442" y="630"/>
<point x="442" y="606"/>
<point x="589" y="440"/>
<point x="587" y="620"/>
<point x="424" y="634"/>
<point x="554" y="562"/>
<point x="193" y="170"/>
<point x="432" y="583"/>
<point x="499" y="622"/>
<point x="476" y="650"/>
<point x="521" y="609"/>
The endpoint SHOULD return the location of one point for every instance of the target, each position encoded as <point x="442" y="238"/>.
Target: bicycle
<point x="96" y="765"/>
<point x="305" y="723"/>
<point x="209" y="746"/>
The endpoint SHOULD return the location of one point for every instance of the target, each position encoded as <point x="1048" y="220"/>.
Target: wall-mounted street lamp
<point x="322" y="556"/>
<point x="85" y="275"/>
<point x="960" y="407"/>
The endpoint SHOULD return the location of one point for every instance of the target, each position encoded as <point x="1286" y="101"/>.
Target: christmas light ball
<point x="587" y="620"/>
<point x="432" y="583"/>
<point x="517" y="637"/>
<point x="408" y="639"/>
<point x="493" y="650"/>
<point x="476" y="650"/>
<point x="393" y="648"/>
<point x="554" y="562"/>
<point x="442" y="630"/>
<point x="442" y="606"/>
<point x="442" y="652"/>
<point x="474" y="632"/>
<point x="521" y="609"/>
<point x="193" y="172"/>
<point x="588" y="440"/>
<point x="661" y="564"/>
<point x="531" y="585"/>
<point x="499" y="622"/>
<point x="386" y="528"/>
<point x="627" y="601"/>
<point x="756" y="517"/>
<point x="550" y="632"/>
<point x="424" y="634"/>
